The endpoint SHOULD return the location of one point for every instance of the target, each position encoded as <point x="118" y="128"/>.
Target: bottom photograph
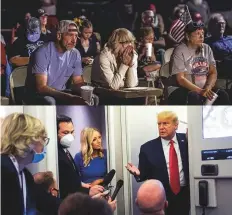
<point x="121" y="160"/>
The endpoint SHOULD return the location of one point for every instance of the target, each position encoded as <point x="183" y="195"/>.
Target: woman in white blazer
<point x="116" y="66"/>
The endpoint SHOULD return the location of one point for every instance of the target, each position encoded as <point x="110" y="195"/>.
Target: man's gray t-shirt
<point x="195" y="65"/>
<point x="58" y="67"/>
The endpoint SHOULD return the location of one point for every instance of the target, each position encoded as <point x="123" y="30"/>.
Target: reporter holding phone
<point x="166" y="159"/>
<point x="91" y="160"/>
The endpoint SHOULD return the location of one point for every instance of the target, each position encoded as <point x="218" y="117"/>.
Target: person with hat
<point x="24" y="46"/>
<point x="43" y="17"/>
<point x="52" y="66"/>
<point x="155" y="21"/>
<point x="193" y="70"/>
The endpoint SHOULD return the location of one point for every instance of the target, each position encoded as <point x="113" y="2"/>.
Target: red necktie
<point x="174" y="169"/>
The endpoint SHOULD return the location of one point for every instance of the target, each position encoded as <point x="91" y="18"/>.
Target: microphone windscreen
<point x="108" y="177"/>
<point x="118" y="187"/>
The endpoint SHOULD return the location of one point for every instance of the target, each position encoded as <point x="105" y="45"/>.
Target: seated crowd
<point x="56" y="60"/>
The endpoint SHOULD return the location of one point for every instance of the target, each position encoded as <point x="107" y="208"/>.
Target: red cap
<point x="152" y="7"/>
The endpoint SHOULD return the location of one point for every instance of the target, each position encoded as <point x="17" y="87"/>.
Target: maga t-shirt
<point x="195" y="65"/>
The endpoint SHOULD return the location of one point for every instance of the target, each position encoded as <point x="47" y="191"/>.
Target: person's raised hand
<point x="127" y="56"/>
<point x="133" y="169"/>
<point x="208" y="93"/>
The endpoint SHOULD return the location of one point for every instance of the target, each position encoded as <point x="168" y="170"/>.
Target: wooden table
<point x="129" y="94"/>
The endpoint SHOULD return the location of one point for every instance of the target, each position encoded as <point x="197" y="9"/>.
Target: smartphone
<point x="106" y="192"/>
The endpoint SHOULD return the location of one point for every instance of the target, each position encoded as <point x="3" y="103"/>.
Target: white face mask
<point x="67" y="140"/>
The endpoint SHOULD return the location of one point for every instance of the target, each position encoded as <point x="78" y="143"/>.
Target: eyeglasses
<point x="126" y="42"/>
<point x="46" y="140"/>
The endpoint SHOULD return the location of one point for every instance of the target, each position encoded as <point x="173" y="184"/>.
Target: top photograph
<point x="116" y="52"/>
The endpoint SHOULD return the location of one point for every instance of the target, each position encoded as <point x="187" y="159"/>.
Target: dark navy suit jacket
<point x="12" y="197"/>
<point x="152" y="163"/>
<point x="69" y="175"/>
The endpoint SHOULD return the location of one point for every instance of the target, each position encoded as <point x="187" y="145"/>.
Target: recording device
<point x="118" y="187"/>
<point x="106" y="192"/>
<point x="203" y="195"/>
<point x="108" y="178"/>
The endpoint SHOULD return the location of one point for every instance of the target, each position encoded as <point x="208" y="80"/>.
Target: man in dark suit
<point x="166" y="159"/>
<point x="69" y="176"/>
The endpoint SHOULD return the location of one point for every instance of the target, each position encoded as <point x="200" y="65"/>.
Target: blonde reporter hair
<point x="168" y="115"/>
<point x="120" y="35"/>
<point x="18" y="130"/>
<point x="86" y="145"/>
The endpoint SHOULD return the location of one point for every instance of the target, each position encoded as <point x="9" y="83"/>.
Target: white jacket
<point x="107" y="73"/>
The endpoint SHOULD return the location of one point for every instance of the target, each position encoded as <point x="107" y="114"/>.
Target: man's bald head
<point x="151" y="198"/>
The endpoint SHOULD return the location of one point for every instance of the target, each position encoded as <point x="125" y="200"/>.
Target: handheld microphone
<point x="108" y="178"/>
<point x="118" y="187"/>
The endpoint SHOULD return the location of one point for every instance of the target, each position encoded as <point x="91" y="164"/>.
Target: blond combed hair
<point x="18" y="130"/>
<point x="168" y="115"/>
<point x="86" y="145"/>
<point x="120" y="35"/>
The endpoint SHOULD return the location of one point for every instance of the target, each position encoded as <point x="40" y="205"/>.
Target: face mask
<point x="39" y="156"/>
<point x="67" y="140"/>
<point x="33" y="37"/>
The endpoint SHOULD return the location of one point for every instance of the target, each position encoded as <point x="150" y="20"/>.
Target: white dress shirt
<point x="166" y="147"/>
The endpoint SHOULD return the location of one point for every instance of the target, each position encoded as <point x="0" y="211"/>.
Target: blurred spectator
<point x="193" y="70"/>
<point x="80" y="204"/>
<point x="52" y="65"/>
<point x="43" y="17"/>
<point x="19" y="29"/>
<point x="88" y="44"/>
<point x="127" y="15"/>
<point x="24" y="46"/>
<point x="3" y="67"/>
<point x="196" y="17"/>
<point x="199" y="6"/>
<point x="158" y="23"/>
<point x="116" y="66"/>
<point x="47" y="182"/>
<point x="169" y="39"/>
<point x="151" y="198"/>
<point x="49" y="6"/>
<point x="146" y="64"/>
<point x="91" y="161"/>
<point x="221" y="45"/>
<point x="149" y="19"/>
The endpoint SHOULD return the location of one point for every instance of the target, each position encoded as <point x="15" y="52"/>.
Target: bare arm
<point x="184" y="82"/>
<point x="77" y="83"/>
<point x="212" y="78"/>
<point x="43" y="89"/>
<point x="19" y="61"/>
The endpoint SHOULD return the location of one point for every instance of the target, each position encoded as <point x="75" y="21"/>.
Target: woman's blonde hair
<point x="86" y="145"/>
<point x="168" y="115"/>
<point x="18" y="130"/>
<point x="120" y="35"/>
